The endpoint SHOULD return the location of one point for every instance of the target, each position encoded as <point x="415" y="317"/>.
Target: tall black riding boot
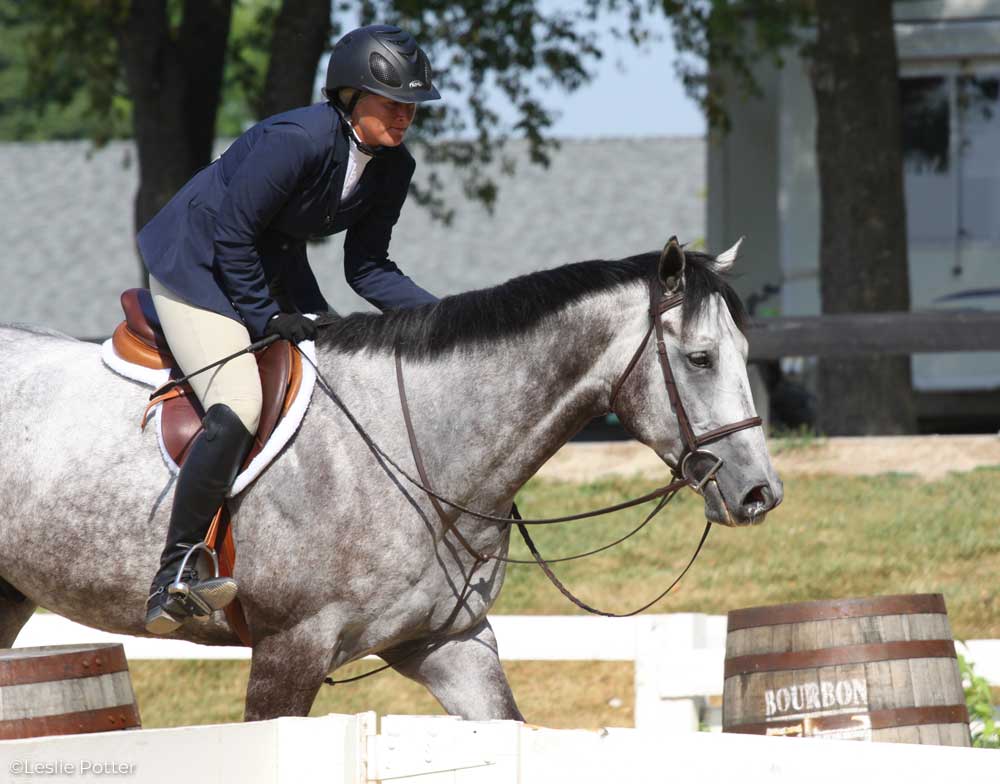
<point x="202" y="485"/>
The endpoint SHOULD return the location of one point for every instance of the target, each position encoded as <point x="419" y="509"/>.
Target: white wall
<point x="743" y="184"/>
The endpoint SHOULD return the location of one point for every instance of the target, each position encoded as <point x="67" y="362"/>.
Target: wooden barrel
<point x="881" y="668"/>
<point x="64" y="690"/>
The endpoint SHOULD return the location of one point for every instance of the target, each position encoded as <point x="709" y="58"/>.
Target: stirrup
<point x="182" y="590"/>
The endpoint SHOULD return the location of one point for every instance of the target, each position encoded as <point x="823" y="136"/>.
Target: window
<point x="926" y="124"/>
<point x="951" y="165"/>
<point x="951" y="156"/>
<point x="979" y="123"/>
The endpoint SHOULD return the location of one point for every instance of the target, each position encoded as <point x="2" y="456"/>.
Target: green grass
<point x="832" y="537"/>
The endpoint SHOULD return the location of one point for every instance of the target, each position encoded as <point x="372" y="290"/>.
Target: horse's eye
<point x="700" y="359"/>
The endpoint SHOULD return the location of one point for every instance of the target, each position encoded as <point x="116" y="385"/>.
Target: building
<point x="763" y="182"/>
<point x="67" y="249"/>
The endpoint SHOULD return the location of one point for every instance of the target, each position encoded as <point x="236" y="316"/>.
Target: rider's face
<point x="380" y="121"/>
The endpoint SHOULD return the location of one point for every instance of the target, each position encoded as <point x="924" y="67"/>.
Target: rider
<point x="227" y="262"/>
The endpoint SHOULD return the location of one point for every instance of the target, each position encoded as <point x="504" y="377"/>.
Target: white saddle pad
<point x="282" y="433"/>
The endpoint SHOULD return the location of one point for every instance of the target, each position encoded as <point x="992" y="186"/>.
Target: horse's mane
<point x="513" y="308"/>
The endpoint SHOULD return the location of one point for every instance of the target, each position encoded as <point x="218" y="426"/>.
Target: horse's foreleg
<point x="286" y="672"/>
<point x="15" y="610"/>
<point x="463" y="674"/>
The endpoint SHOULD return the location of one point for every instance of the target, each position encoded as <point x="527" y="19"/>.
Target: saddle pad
<point x="286" y="428"/>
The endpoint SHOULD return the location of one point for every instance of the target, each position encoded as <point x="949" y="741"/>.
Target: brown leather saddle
<point x="139" y="339"/>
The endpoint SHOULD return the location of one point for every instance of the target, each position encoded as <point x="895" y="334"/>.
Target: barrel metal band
<point x="802" y="612"/>
<point x="120" y="717"/>
<point x="57" y="666"/>
<point x="847" y="654"/>
<point x="876" y="720"/>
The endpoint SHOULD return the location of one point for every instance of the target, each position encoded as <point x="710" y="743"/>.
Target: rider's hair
<point x="344" y="98"/>
<point x="349" y="96"/>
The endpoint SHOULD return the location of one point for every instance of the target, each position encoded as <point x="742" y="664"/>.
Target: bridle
<point x="683" y="472"/>
<point x="684" y="468"/>
<point x="686" y="463"/>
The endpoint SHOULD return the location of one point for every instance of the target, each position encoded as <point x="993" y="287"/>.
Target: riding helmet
<point x="381" y="59"/>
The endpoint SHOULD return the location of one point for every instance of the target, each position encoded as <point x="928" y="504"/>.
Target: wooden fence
<point x="856" y="334"/>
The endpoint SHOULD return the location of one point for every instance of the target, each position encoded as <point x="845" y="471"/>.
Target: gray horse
<point x="337" y="555"/>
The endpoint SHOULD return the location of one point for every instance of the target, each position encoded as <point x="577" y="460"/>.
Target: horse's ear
<point x="725" y="260"/>
<point x="671" y="267"/>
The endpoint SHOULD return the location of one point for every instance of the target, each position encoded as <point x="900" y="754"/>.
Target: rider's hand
<point x="291" y="326"/>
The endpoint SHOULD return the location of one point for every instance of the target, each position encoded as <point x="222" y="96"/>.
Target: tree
<point x="301" y="34"/>
<point x="173" y="72"/>
<point x="177" y="59"/>
<point x="863" y="248"/>
<point x="714" y="37"/>
<point x="863" y="251"/>
<point x="171" y="60"/>
<point x="28" y="115"/>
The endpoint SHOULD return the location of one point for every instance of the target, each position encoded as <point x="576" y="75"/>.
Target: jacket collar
<point x="341" y="144"/>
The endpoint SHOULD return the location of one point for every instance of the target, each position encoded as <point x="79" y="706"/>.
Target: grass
<point x="553" y="694"/>
<point x="833" y="537"/>
<point x="797" y="440"/>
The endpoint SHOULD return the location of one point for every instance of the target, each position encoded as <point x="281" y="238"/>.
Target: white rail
<point x="678" y="657"/>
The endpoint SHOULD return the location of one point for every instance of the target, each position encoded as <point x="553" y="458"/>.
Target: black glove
<point x="291" y="326"/>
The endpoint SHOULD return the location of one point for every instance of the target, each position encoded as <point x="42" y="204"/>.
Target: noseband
<point x="692" y="455"/>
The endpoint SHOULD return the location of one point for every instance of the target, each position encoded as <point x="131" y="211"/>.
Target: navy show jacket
<point x="233" y="239"/>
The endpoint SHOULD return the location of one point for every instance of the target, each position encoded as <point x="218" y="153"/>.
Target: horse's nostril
<point x="759" y="496"/>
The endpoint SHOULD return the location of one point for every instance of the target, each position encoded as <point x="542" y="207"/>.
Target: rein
<point x="384" y="457"/>
<point x="684" y="468"/>
<point x="659" y="304"/>
<point x="259" y="345"/>
<point x="664" y="493"/>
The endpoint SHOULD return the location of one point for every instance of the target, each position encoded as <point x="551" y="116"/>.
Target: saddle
<point x="139" y="339"/>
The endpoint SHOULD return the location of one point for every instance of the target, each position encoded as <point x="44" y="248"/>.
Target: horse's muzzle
<point x="751" y="509"/>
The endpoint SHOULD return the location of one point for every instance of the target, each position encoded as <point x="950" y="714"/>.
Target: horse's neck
<point x="487" y="418"/>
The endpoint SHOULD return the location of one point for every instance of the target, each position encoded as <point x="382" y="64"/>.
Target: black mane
<point x="513" y="308"/>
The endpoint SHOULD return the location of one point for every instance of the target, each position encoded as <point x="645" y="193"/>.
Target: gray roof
<point x="67" y="251"/>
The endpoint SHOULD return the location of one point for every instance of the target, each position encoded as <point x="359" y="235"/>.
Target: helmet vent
<point x="427" y="69"/>
<point x="383" y="70"/>
<point x="402" y="41"/>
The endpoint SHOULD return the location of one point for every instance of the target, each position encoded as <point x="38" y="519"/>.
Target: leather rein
<point x="685" y="468"/>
